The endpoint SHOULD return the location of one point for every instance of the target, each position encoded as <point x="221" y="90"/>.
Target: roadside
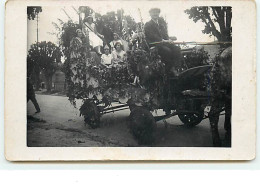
<point x="52" y="93"/>
<point x="59" y="125"/>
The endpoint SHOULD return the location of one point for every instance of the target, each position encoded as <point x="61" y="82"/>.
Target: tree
<point x="33" y="11"/>
<point x="65" y="31"/>
<point x="47" y="57"/>
<point x="217" y="20"/>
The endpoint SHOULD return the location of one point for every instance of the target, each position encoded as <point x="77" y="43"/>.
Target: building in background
<point x="58" y="81"/>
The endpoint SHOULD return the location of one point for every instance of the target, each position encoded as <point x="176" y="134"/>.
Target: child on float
<point x="106" y="58"/>
<point x="118" y="55"/>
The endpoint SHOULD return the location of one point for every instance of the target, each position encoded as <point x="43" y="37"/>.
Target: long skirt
<point x="94" y="40"/>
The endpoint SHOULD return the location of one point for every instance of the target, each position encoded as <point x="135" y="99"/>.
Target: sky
<point x="179" y="24"/>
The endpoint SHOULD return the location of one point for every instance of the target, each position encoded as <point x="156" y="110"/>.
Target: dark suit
<point x="31" y="95"/>
<point x="156" y="32"/>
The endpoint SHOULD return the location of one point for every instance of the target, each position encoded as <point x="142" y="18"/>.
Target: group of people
<point x="114" y="53"/>
<point x="155" y="33"/>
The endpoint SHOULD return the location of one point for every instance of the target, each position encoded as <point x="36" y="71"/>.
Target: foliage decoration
<point x="197" y="57"/>
<point x="221" y="75"/>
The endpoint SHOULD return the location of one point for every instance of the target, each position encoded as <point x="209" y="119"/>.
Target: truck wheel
<point x="191" y="119"/>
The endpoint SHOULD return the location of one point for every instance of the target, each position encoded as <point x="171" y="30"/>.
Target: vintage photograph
<point x="129" y="75"/>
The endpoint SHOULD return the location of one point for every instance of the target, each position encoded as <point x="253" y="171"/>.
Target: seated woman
<point x="95" y="39"/>
<point x="118" y="55"/>
<point x="106" y="58"/>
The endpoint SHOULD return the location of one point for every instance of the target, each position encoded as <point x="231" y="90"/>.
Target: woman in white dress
<point x="95" y="39"/>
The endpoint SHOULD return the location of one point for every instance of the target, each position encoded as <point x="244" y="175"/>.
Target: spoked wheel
<point x="197" y="112"/>
<point x="191" y="119"/>
<point x="142" y="125"/>
<point x="91" y="114"/>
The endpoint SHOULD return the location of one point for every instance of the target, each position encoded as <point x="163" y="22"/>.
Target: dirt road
<point x="59" y="124"/>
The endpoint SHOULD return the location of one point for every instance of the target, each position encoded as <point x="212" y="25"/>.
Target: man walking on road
<point x="31" y="95"/>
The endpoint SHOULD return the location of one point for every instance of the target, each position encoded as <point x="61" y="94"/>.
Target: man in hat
<point x="156" y="34"/>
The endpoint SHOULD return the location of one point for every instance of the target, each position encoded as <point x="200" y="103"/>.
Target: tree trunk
<point x="228" y="23"/>
<point x="36" y="79"/>
<point x="49" y="83"/>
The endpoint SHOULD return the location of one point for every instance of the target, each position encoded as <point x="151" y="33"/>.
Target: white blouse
<point x="106" y="59"/>
<point x="118" y="55"/>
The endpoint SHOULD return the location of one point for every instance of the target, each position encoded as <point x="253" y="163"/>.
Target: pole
<point x="195" y="43"/>
<point x="67" y="14"/>
<point x="142" y="28"/>
<point x="37" y="43"/>
<point x="76" y="10"/>
<point x="37" y="28"/>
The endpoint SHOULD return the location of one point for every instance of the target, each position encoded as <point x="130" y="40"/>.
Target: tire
<point x="142" y="125"/>
<point x="91" y="114"/>
<point x="191" y="119"/>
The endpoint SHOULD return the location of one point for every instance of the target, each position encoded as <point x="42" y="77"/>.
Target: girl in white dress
<point x="106" y="58"/>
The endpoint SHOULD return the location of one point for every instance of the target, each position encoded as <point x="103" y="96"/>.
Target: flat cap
<point x="154" y="10"/>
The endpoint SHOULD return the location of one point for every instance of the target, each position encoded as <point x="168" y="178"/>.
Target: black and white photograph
<point x="130" y="80"/>
<point x="112" y="75"/>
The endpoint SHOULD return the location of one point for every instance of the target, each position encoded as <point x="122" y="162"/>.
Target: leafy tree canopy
<point x="32" y="11"/>
<point x="217" y="20"/>
<point x="46" y="56"/>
